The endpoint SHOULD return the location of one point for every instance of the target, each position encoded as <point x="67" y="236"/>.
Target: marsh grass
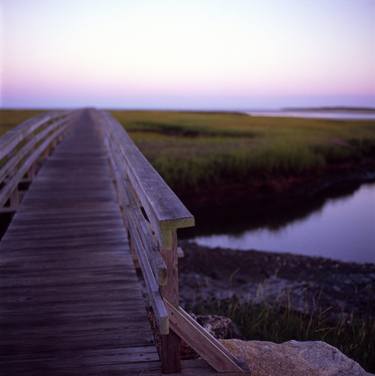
<point x="353" y="336"/>
<point x="11" y="118"/>
<point x="196" y="150"/>
<point x="191" y="150"/>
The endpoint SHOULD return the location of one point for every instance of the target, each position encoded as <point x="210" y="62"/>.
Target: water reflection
<point x="340" y="225"/>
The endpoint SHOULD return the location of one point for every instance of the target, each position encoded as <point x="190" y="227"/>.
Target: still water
<point x="341" y="228"/>
<point x="317" y="114"/>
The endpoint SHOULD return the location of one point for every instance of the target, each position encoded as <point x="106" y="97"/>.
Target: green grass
<point x="193" y="150"/>
<point x="11" y="118"/>
<point x="353" y="336"/>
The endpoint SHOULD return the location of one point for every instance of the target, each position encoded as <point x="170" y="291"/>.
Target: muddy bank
<point x="306" y="284"/>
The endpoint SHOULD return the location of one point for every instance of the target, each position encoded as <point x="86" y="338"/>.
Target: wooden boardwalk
<point x="71" y="302"/>
<point x="70" y="299"/>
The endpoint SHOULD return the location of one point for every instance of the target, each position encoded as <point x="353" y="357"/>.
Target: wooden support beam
<point x="205" y="344"/>
<point x="32" y="172"/>
<point x="14" y="199"/>
<point x="180" y="252"/>
<point x="7" y="210"/>
<point x="171" y="343"/>
<point x="12" y="184"/>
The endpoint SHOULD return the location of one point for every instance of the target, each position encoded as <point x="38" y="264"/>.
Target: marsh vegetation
<point x="203" y="153"/>
<point x="200" y="154"/>
<point x="353" y="336"/>
<point x="11" y="118"/>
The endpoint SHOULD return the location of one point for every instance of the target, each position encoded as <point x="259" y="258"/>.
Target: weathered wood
<point x="12" y="163"/>
<point x="160" y="202"/>
<point x="152" y="285"/>
<point x="13" y="182"/>
<point x="71" y="302"/>
<point x="171" y="343"/>
<point x="153" y="213"/>
<point x="6" y="210"/>
<point x="68" y="285"/>
<point x="170" y="290"/>
<point x="14" y="198"/>
<point x="141" y="190"/>
<point x="206" y="345"/>
<point x="170" y="353"/>
<point x="194" y="367"/>
<point x="19" y="133"/>
<point x="23" y="147"/>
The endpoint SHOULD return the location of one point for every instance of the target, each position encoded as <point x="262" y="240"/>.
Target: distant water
<point x="317" y="114"/>
<point x="343" y="229"/>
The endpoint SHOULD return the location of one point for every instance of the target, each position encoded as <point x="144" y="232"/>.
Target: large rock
<point x="293" y="358"/>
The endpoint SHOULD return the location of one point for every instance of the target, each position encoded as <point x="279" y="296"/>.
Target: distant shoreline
<point x="237" y="111"/>
<point x="329" y="109"/>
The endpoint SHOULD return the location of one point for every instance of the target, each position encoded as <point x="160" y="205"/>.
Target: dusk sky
<point x="204" y="54"/>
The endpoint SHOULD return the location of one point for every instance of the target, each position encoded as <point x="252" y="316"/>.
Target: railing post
<point x="32" y="171"/>
<point x="14" y="199"/>
<point x="46" y="152"/>
<point x="170" y="344"/>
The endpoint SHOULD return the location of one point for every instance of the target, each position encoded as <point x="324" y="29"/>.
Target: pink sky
<point x="196" y="54"/>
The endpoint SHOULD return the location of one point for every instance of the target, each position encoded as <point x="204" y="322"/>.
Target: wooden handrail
<point x="162" y="205"/>
<point x="17" y="134"/>
<point x="21" y="150"/>
<point x="152" y="214"/>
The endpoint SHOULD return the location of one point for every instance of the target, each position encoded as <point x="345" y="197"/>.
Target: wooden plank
<point x="206" y="345"/>
<point x="17" y="134"/>
<point x="141" y="188"/>
<point x="6" y="210"/>
<point x="157" y="198"/>
<point x="71" y="302"/>
<point x="12" y="163"/>
<point x="152" y="286"/>
<point x="194" y="367"/>
<point x="12" y="184"/>
<point x="145" y="242"/>
<point x="170" y="349"/>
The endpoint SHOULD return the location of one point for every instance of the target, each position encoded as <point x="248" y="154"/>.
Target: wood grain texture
<point x="206" y="345"/>
<point x="162" y="205"/>
<point x="23" y="147"/>
<point x="70" y="300"/>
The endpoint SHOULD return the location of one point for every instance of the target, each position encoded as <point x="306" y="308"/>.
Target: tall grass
<point x="191" y="150"/>
<point x="11" y="118"/>
<point x="353" y="336"/>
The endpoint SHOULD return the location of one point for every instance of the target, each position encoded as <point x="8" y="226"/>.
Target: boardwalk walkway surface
<point x="71" y="303"/>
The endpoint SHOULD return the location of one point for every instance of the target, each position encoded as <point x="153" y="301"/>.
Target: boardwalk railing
<point x="152" y="214"/>
<point x="22" y="149"/>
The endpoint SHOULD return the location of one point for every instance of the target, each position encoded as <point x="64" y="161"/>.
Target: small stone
<point x="219" y="326"/>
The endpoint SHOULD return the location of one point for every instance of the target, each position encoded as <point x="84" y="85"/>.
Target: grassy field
<point x="193" y="150"/>
<point x="11" y="118"/>
<point x="353" y="336"/>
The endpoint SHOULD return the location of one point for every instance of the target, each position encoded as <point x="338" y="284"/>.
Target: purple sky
<point x="194" y="54"/>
